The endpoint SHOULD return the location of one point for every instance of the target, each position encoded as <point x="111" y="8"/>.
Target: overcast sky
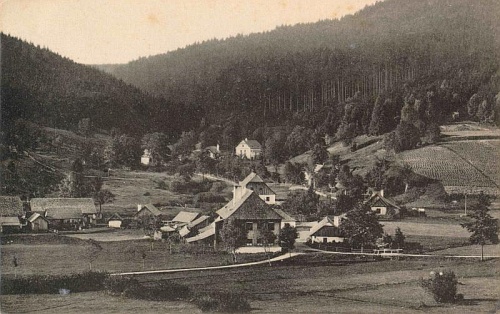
<point x="118" y="31"/>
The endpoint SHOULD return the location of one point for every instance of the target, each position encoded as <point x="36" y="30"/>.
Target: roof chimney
<point x="139" y="207"/>
<point x="382" y="193"/>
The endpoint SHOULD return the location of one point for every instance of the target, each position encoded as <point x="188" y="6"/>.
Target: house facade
<point x="255" y="183"/>
<point x="249" y="149"/>
<point x="38" y="223"/>
<point x="76" y="212"/>
<point x="326" y="231"/>
<point x="383" y="206"/>
<point x="11" y="212"/>
<point x="250" y="212"/>
<point x="146" y="158"/>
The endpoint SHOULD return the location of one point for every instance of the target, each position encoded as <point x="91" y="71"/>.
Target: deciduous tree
<point x="361" y="226"/>
<point x="233" y="236"/>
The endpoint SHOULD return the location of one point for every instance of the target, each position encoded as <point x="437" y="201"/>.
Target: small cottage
<point x="383" y="206"/>
<point x="213" y="151"/>
<point x="38" y="223"/>
<point x="326" y="231"/>
<point x="146" y="158"/>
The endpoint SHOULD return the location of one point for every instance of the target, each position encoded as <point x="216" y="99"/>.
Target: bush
<point x="442" y="286"/>
<point x="160" y="291"/>
<point x="162" y="185"/>
<point x="38" y="284"/>
<point x="222" y="302"/>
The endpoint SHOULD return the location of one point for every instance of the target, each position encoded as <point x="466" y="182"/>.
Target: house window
<point x="249" y="242"/>
<point x="268" y="198"/>
<point x="249" y="226"/>
<point x="270" y="226"/>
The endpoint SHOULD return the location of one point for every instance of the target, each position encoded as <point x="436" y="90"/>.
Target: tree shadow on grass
<point x="469" y="302"/>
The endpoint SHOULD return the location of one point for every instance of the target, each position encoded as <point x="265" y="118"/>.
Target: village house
<point x="383" y="206"/>
<point x="147" y="215"/>
<point x="11" y="212"/>
<point x="326" y="231"/>
<point x="249" y="149"/>
<point x="66" y="213"/>
<point x="146" y="158"/>
<point x="38" y="223"/>
<point x="251" y="213"/>
<point x="255" y="183"/>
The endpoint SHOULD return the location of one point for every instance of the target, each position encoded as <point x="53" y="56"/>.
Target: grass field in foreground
<point x="365" y="287"/>
<point x="52" y="257"/>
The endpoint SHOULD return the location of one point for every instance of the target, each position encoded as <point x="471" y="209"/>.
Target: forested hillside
<point x="391" y="49"/>
<point x="47" y="89"/>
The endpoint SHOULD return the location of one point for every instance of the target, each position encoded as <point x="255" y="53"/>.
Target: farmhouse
<point x="326" y="231"/>
<point x="147" y="214"/>
<point x="66" y="212"/>
<point x="11" y="210"/>
<point x="382" y="205"/>
<point x="38" y="223"/>
<point x="250" y="149"/>
<point x="184" y="217"/>
<point x="255" y="183"/>
<point x="251" y="213"/>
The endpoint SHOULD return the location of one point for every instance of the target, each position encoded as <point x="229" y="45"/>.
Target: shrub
<point x="162" y="185"/>
<point x="39" y="284"/>
<point x="442" y="286"/>
<point x="222" y="302"/>
<point x="160" y="291"/>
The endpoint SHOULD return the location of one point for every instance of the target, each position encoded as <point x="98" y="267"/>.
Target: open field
<point x="310" y="284"/>
<point x="422" y="229"/>
<point x="88" y="302"/>
<point x="63" y="255"/>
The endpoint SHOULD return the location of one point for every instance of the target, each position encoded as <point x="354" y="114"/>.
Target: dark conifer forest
<point x="357" y="72"/>
<point x="343" y="77"/>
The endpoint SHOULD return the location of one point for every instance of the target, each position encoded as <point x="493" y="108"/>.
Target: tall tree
<point x="484" y="227"/>
<point x="233" y="236"/>
<point x="287" y="237"/>
<point x="361" y="226"/>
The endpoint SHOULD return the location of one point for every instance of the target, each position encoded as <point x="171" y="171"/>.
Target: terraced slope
<point x="462" y="166"/>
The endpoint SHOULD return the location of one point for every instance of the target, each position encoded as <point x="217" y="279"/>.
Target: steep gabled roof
<point x="84" y="205"/>
<point x="253" y="144"/>
<point x="64" y="213"/>
<point x="11" y="206"/>
<point x="35" y="216"/>
<point x="248" y="206"/>
<point x="185" y="217"/>
<point x="198" y="221"/>
<point x="284" y="216"/>
<point x="252" y="177"/>
<point x="206" y="233"/>
<point x="152" y="209"/>
<point x="324" y="222"/>
<point x="377" y="197"/>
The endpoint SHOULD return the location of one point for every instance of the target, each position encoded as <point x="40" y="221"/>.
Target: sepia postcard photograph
<point x="249" y="156"/>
